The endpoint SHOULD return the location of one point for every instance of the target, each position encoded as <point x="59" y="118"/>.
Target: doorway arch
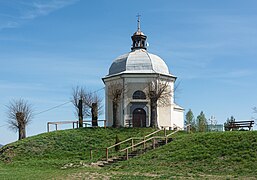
<point x="139" y="118"/>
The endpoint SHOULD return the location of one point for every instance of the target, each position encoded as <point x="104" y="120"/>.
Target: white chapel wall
<point x="178" y="117"/>
<point x="109" y="104"/>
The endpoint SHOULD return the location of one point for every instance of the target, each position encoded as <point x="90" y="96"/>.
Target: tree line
<point x="200" y="124"/>
<point x="196" y="125"/>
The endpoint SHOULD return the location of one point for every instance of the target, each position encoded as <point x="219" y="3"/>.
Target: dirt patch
<point x="136" y="174"/>
<point x="89" y="175"/>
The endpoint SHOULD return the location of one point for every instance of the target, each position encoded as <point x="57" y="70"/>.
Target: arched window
<point x="139" y="95"/>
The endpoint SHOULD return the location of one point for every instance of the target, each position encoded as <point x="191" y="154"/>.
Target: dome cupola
<point x="138" y="60"/>
<point x="138" y="38"/>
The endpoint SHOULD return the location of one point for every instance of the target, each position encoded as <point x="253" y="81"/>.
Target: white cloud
<point x="24" y="11"/>
<point x="42" y="8"/>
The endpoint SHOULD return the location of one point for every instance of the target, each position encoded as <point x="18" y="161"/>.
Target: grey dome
<point x="138" y="61"/>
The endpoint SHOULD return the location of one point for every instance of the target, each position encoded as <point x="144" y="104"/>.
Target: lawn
<point x="217" y="155"/>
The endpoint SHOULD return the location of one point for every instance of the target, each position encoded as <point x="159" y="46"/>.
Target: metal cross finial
<point x="138" y="22"/>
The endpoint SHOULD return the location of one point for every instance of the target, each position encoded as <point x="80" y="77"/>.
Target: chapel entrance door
<point x="139" y="118"/>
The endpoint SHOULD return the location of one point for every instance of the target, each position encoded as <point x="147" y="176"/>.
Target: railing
<point x="132" y="142"/>
<point x="154" y="138"/>
<point x="142" y="142"/>
<point x="94" y="151"/>
<point x="74" y="124"/>
<point x="155" y="132"/>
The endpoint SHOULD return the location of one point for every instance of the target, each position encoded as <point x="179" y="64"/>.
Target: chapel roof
<point x="138" y="60"/>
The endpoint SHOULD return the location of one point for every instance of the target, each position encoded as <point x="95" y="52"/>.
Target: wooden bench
<point x="240" y="124"/>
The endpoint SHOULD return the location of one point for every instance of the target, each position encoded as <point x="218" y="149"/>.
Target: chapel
<point x="135" y="74"/>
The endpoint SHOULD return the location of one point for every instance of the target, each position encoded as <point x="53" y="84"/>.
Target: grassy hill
<point x="221" y="155"/>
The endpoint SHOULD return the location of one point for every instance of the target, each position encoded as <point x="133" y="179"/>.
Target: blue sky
<point x="49" y="46"/>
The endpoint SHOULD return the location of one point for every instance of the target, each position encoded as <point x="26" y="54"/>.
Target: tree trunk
<point x="116" y="122"/>
<point x="80" y="113"/>
<point x="21" y="125"/>
<point x="22" y="132"/>
<point x="94" y="114"/>
<point x="153" y="107"/>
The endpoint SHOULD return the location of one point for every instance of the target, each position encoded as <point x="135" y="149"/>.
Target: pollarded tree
<point x="19" y="114"/>
<point x="86" y="104"/>
<point x="78" y="97"/>
<point x="94" y="103"/>
<point x="115" y="91"/>
<point x="201" y="122"/>
<point x="159" y="93"/>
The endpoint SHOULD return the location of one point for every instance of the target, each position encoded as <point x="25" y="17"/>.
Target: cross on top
<point x="138" y="22"/>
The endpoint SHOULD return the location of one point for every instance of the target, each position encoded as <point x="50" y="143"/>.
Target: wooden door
<point x="139" y="118"/>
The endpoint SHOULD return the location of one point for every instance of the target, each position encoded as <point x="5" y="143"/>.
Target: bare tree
<point x="78" y="96"/>
<point x="94" y="103"/>
<point x="159" y="93"/>
<point x="19" y="114"/>
<point x="115" y="91"/>
<point x="86" y="104"/>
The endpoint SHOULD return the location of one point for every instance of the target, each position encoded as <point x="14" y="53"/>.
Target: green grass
<point x="44" y="155"/>
<point x="220" y="155"/>
<point x="213" y="155"/>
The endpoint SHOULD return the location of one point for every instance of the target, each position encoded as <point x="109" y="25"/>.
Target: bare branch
<point x="160" y="92"/>
<point x="19" y="114"/>
<point x="87" y="98"/>
<point x="91" y="98"/>
<point x="79" y="93"/>
<point x="115" y="91"/>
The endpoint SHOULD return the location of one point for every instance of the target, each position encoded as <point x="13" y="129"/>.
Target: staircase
<point x="112" y="160"/>
<point x="146" y="143"/>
